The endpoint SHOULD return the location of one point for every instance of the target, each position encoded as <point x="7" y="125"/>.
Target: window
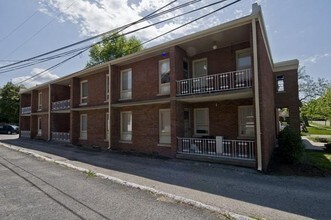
<point x="244" y="59"/>
<point x="40" y="101"/>
<point x="83" y="92"/>
<point x="126" y="84"/>
<point x="246" y="121"/>
<point x="126" y="126"/>
<point x="107" y="126"/>
<point x="164" y="75"/>
<point x="107" y="86"/>
<point x="83" y="126"/>
<point x="200" y="67"/>
<point x="201" y="121"/>
<point x="165" y="128"/>
<point x="280" y="83"/>
<point x="39" y="127"/>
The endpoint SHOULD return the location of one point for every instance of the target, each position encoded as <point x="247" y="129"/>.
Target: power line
<point x="174" y="29"/>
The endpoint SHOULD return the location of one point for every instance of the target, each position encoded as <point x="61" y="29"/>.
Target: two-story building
<point x="213" y="95"/>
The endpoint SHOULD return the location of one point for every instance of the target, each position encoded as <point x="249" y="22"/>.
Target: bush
<point x="290" y="146"/>
<point x="328" y="147"/>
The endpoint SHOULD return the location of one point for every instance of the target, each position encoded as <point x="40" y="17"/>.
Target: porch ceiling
<point x="230" y="95"/>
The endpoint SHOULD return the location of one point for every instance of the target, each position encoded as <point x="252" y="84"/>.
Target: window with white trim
<point x="280" y="83"/>
<point x="107" y="86"/>
<point x="164" y="76"/>
<point x="200" y="67"/>
<point x="165" y="127"/>
<point x="246" y="121"/>
<point x="126" y="126"/>
<point x="244" y="59"/>
<point x="83" y="92"/>
<point x="39" y="127"/>
<point x="126" y="84"/>
<point x="83" y="126"/>
<point x="107" y="126"/>
<point x="40" y="101"/>
<point x="201" y="121"/>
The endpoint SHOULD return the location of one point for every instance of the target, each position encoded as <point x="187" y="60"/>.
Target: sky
<point x="296" y="29"/>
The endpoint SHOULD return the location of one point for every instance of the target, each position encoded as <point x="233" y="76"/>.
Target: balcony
<point x="26" y="110"/>
<point x="219" y="148"/>
<point x="25" y="134"/>
<point x="61" y="105"/>
<point x="61" y="136"/>
<point x="234" y="80"/>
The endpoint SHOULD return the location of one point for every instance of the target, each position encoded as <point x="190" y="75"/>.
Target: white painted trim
<point x="168" y="134"/>
<point x="243" y="51"/>
<point x="129" y="91"/>
<point x="257" y="99"/>
<point x="107" y="87"/>
<point x="286" y="65"/>
<point x="49" y="111"/>
<point x="80" y="127"/>
<point x="161" y="85"/>
<point x="81" y="93"/>
<point x="121" y="127"/>
<point x="40" y="101"/>
<point x="39" y="127"/>
<point x="193" y="66"/>
<point x="195" y="121"/>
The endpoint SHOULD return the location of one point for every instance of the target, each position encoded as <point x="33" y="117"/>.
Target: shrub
<point x="290" y="146"/>
<point x="328" y="147"/>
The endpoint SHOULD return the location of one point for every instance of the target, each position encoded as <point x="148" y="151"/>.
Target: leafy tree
<point x="9" y="103"/>
<point x="113" y="47"/>
<point x="309" y="88"/>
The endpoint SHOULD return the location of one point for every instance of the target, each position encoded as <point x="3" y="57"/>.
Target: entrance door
<point x="187" y="123"/>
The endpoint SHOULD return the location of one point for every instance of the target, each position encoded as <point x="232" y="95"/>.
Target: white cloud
<point x="94" y="17"/>
<point x="44" y="77"/>
<point x="314" y="59"/>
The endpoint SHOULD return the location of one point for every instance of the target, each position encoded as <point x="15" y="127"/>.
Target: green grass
<point x="317" y="130"/>
<point x="321" y="160"/>
<point x="90" y="173"/>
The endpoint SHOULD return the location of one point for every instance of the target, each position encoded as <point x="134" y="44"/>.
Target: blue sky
<point x="297" y="29"/>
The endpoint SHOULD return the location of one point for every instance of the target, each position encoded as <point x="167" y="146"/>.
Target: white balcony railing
<point x="25" y="134"/>
<point x="61" y="136"/>
<point x="215" y="83"/>
<point x="238" y="149"/>
<point x="61" y="105"/>
<point x="26" y="110"/>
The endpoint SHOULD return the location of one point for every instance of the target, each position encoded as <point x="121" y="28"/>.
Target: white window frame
<point x="83" y="99"/>
<point x="193" y="67"/>
<point x="247" y="51"/>
<point x="40" y="101"/>
<point x="107" y="126"/>
<point x="126" y="94"/>
<point x="195" y="121"/>
<point x="107" y="86"/>
<point x="39" y="126"/>
<point x="241" y="108"/>
<point x="280" y="78"/>
<point x="164" y="137"/>
<point x="126" y="135"/>
<point x="164" y="88"/>
<point x="83" y="133"/>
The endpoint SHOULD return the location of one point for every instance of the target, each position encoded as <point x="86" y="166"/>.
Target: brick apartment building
<point x="213" y="95"/>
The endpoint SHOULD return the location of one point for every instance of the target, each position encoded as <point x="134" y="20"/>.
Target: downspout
<point x="257" y="99"/>
<point x="109" y="107"/>
<point x="49" y="111"/>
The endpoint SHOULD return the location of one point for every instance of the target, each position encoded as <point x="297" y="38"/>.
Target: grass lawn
<point x="321" y="160"/>
<point x="317" y="130"/>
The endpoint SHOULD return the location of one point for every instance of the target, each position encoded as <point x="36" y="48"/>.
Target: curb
<point x="134" y="185"/>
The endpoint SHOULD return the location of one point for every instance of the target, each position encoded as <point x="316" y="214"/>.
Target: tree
<point x="9" y="103"/>
<point x="309" y="88"/>
<point x="113" y="47"/>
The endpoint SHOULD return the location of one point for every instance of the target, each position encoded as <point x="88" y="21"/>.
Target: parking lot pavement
<point x="240" y="190"/>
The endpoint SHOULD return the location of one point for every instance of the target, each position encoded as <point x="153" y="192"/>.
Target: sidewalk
<point x="311" y="145"/>
<point x="232" y="189"/>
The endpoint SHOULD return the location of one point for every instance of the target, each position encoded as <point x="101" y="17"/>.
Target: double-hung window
<point x="244" y="63"/>
<point x="83" y="92"/>
<point x="126" y="84"/>
<point x="246" y="121"/>
<point x="40" y="101"/>
<point x="201" y="121"/>
<point x="164" y="77"/>
<point x="165" y="128"/>
<point x="39" y="126"/>
<point x="199" y="71"/>
<point x="280" y="83"/>
<point x="126" y="126"/>
<point x="83" y="126"/>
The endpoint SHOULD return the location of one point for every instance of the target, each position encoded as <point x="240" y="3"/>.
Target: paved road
<point x="35" y="189"/>
<point x="239" y="190"/>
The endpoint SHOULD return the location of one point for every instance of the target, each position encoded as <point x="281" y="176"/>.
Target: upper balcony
<point x="61" y="105"/>
<point x="26" y="110"/>
<point x="235" y="80"/>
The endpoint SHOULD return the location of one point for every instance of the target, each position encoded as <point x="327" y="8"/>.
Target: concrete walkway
<point x="232" y="189"/>
<point x="312" y="145"/>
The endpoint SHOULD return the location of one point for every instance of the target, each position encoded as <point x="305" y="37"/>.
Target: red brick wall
<point x="290" y="97"/>
<point x="25" y="123"/>
<point x="44" y="126"/>
<point x="267" y="97"/>
<point x="59" y="92"/>
<point x="25" y="100"/>
<point x="75" y="92"/>
<point x="60" y="122"/>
